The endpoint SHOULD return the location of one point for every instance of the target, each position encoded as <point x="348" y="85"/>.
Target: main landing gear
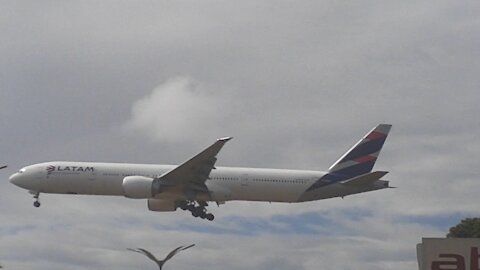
<point x="198" y="209"/>
<point x="36" y="196"/>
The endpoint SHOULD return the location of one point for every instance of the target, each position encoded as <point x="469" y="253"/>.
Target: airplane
<point x="3" y="166"/>
<point x="193" y="184"/>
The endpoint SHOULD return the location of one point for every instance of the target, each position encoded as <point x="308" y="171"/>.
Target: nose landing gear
<point x="36" y="196"/>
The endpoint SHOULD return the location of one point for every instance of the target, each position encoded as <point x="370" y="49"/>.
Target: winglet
<point x="224" y="139"/>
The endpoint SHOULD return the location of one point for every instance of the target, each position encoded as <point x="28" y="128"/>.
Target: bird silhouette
<point x="160" y="263"/>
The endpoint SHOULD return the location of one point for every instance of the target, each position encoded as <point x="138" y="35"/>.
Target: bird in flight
<point x="160" y="263"/>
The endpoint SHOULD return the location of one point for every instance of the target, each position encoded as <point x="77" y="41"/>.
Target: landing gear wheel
<point x="36" y="195"/>
<point x="182" y="206"/>
<point x="198" y="209"/>
<point x="191" y="208"/>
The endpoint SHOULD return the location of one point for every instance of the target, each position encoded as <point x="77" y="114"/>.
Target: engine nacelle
<point x="160" y="205"/>
<point x="138" y="187"/>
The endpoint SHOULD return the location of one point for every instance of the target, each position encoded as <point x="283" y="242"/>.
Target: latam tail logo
<point x="357" y="161"/>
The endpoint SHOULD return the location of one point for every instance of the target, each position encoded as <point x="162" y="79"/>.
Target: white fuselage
<point x="224" y="183"/>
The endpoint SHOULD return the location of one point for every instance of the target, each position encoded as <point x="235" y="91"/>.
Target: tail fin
<point x="362" y="156"/>
<point x="359" y="160"/>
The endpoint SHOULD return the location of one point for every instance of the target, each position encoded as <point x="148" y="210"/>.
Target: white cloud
<point x="177" y="110"/>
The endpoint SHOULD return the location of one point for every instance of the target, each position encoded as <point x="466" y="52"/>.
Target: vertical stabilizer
<point x="359" y="160"/>
<point x="363" y="155"/>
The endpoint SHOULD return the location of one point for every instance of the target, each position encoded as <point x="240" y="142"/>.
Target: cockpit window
<point x="22" y="170"/>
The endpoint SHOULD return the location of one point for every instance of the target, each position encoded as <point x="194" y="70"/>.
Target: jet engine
<point x="138" y="187"/>
<point x="160" y="205"/>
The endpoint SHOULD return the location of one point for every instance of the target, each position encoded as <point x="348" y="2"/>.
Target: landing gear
<point x="36" y="195"/>
<point x="198" y="209"/>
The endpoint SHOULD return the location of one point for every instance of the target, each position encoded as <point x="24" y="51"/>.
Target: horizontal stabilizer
<point x="364" y="180"/>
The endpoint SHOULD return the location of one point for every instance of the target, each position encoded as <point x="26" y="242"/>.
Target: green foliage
<point x="467" y="228"/>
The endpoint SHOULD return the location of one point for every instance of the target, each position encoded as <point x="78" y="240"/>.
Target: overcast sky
<point x="296" y="83"/>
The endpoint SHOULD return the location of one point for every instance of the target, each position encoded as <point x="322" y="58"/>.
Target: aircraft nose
<point x="13" y="178"/>
<point x="17" y="180"/>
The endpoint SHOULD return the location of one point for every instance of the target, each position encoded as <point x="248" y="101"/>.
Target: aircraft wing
<point x="365" y="179"/>
<point x="193" y="173"/>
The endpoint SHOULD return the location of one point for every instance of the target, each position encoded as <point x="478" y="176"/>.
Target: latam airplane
<point x="192" y="184"/>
